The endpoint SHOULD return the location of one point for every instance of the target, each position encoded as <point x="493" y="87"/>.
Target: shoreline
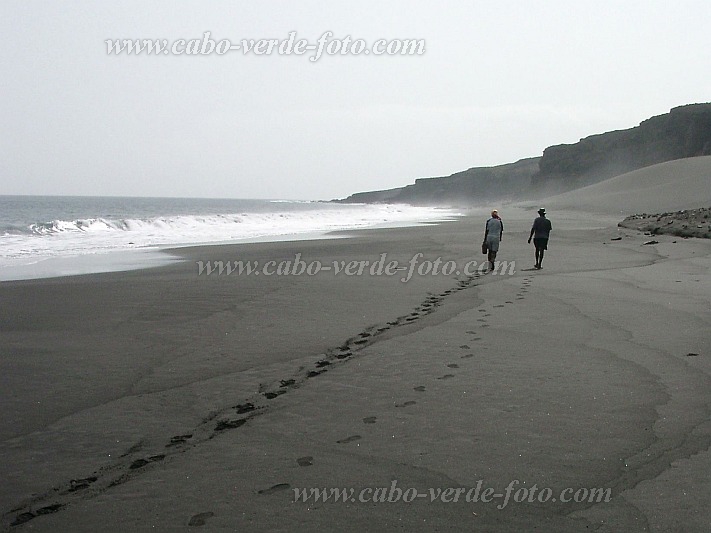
<point x="160" y="255"/>
<point x="157" y="397"/>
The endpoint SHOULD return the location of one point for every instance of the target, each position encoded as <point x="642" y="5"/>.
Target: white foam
<point x="93" y="236"/>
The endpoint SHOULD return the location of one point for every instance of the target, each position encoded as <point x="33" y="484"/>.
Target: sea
<point x="49" y="236"/>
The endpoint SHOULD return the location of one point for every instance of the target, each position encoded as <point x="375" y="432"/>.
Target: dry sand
<point x="670" y="186"/>
<point x="160" y="400"/>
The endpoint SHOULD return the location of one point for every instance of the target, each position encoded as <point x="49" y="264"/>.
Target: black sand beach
<point x="161" y="399"/>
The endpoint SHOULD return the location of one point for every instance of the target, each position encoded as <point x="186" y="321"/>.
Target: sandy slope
<point x="670" y="186"/>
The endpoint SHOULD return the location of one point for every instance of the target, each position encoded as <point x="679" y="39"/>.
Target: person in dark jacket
<point x="540" y="232"/>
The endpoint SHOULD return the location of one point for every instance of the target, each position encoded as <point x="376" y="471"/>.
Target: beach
<point x="166" y="399"/>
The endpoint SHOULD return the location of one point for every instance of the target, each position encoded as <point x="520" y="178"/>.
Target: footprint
<point x="464" y="347"/>
<point x="243" y="408"/>
<point x="509" y="302"/>
<point x="139" y="463"/>
<point x="22" y="518"/>
<point x="314" y="373"/>
<point x="406" y="404"/>
<point x="446" y="376"/>
<point x="79" y="484"/>
<point x="287" y="382"/>
<point x="26" y="517"/>
<point x="481" y="319"/>
<point x="229" y="424"/>
<point x="476" y="339"/>
<point x="305" y="461"/>
<point x="499" y="305"/>
<point x="199" y="519"/>
<point x="134" y="449"/>
<point x="467" y="356"/>
<point x="369" y="419"/>
<point x="420" y="388"/>
<point x="272" y="395"/>
<point x="322" y="363"/>
<point x="452" y="365"/>
<point x="349" y="439"/>
<point x="472" y="332"/>
<point x="49" y="509"/>
<point x="274" y="488"/>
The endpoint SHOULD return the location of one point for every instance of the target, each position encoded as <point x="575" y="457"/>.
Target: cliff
<point x="683" y="132"/>
<point x="462" y="188"/>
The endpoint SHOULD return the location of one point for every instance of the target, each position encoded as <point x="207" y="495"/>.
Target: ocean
<point x="46" y="236"/>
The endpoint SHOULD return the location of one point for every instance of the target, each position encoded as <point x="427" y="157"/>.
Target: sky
<point x="497" y="82"/>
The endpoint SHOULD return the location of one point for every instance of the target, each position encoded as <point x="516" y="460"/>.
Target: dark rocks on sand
<point x="683" y="223"/>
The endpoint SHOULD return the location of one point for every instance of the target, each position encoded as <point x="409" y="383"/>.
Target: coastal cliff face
<point x="683" y="132"/>
<point x="462" y="188"/>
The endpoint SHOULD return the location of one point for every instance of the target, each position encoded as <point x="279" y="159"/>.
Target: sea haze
<point x="45" y="236"/>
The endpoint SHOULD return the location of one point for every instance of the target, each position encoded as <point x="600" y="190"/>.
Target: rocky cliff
<point x="683" y="132"/>
<point x="462" y="188"/>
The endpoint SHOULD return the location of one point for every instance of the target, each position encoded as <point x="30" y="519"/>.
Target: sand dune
<point x="679" y="184"/>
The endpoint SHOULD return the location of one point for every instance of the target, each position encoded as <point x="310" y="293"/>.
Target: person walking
<point x="492" y="236"/>
<point x="540" y="232"/>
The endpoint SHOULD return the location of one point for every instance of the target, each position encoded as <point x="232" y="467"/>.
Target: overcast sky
<point x="499" y="81"/>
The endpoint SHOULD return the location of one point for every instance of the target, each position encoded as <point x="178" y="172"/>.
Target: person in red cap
<point x="540" y="232"/>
